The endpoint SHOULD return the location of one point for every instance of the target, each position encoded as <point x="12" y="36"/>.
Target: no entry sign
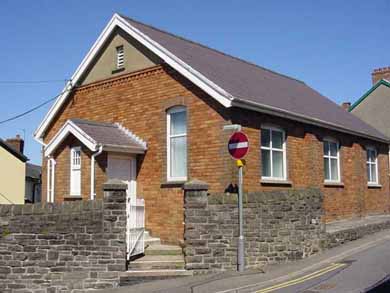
<point x="238" y="145"/>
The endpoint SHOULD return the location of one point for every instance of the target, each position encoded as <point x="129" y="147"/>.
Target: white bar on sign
<point x="238" y="145"/>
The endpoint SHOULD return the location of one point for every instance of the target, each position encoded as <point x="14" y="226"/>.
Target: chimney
<point x="346" y="105"/>
<point x="16" y="143"/>
<point x="380" y="73"/>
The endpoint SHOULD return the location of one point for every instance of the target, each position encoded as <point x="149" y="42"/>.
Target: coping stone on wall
<point x="195" y="184"/>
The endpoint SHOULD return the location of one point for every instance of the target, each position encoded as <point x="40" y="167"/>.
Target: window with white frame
<point x="177" y="144"/>
<point x="75" y="171"/>
<point x="372" y="166"/>
<point x="331" y="161"/>
<point x="120" y="57"/>
<point x="273" y="153"/>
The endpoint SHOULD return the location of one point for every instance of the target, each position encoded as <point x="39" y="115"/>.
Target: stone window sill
<point x="275" y="182"/>
<point x="333" y="184"/>
<point x="374" y="185"/>
<point x="72" y="197"/>
<point x="172" y="184"/>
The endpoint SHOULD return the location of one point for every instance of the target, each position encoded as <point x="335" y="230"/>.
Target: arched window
<point x="177" y="144"/>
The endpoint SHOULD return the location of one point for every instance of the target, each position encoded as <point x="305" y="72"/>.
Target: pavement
<point x="353" y="267"/>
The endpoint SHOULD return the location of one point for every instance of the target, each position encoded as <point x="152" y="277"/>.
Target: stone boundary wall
<point x="279" y="226"/>
<point x="334" y="239"/>
<point x="67" y="247"/>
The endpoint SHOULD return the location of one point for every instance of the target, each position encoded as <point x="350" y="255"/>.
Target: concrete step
<point x="156" y="273"/>
<point x="161" y="249"/>
<point x="158" y="262"/>
<point x="149" y="240"/>
<point x="133" y="276"/>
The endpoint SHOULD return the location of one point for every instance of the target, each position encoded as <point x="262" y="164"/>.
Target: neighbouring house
<point x="33" y="183"/>
<point x="374" y="106"/>
<point x="12" y="171"/>
<point x="149" y="107"/>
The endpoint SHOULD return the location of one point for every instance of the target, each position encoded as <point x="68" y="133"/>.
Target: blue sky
<point x="331" y="45"/>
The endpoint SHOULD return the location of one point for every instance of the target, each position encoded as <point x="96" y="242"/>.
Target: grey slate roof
<point x="249" y="82"/>
<point x="33" y="171"/>
<point x="107" y="134"/>
<point x="12" y="151"/>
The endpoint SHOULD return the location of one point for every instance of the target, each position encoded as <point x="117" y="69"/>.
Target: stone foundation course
<point x="69" y="247"/>
<point x="279" y="226"/>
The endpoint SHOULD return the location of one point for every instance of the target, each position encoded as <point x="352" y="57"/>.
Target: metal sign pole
<point x="240" y="259"/>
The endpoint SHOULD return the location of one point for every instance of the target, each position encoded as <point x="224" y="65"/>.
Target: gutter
<point x="299" y="117"/>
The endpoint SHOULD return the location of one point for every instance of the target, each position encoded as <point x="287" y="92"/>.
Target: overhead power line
<point x="32" y="109"/>
<point x="32" y="81"/>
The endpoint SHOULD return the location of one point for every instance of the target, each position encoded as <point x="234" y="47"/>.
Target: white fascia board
<point x="117" y="21"/>
<point x="187" y="71"/>
<point x="298" y="117"/>
<point x="70" y="127"/>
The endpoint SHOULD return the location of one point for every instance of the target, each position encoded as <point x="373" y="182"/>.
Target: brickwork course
<point x="141" y="100"/>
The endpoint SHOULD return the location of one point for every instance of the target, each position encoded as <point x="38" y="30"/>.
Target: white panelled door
<point x="124" y="168"/>
<point x="75" y="171"/>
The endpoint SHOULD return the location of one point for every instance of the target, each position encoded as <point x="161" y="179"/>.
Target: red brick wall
<point x="139" y="101"/>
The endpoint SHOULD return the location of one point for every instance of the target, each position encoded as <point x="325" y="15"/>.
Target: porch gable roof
<point x="92" y="134"/>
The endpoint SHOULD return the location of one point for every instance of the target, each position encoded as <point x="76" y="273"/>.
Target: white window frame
<point x="368" y="163"/>
<point x="329" y="157"/>
<point x="271" y="149"/>
<point x="175" y="109"/>
<point x="74" y="168"/>
<point x="120" y="57"/>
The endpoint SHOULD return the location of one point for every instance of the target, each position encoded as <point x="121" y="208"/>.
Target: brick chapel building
<point x="149" y="107"/>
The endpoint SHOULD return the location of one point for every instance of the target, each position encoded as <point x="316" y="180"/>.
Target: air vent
<point x="120" y="57"/>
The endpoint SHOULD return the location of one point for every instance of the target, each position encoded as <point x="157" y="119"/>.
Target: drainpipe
<point x="100" y="150"/>
<point x="48" y="179"/>
<point x="53" y="170"/>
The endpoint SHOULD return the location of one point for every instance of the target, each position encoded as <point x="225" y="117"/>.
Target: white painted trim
<point x="329" y="157"/>
<point x="174" y="109"/>
<point x="72" y="177"/>
<point x="371" y="148"/>
<point x="262" y="108"/>
<point x="70" y="127"/>
<point x="183" y="68"/>
<point x="48" y="186"/>
<point x="93" y="193"/>
<point x="132" y="135"/>
<point x="271" y="149"/>
<point x="52" y="163"/>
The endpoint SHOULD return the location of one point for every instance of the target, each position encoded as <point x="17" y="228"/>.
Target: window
<point x="120" y="57"/>
<point x="273" y="153"/>
<point x="331" y="161"/>
<point x="75" y="171"/>
<point x="372" y="166"/>
<point x="177" y="144"/>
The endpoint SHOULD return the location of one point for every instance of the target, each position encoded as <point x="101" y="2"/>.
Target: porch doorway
<point x="124" y="168"/>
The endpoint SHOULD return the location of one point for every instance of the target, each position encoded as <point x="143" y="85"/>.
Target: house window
<point x="331" y="161"/>
<point x="372" y="166"/>
<point x="75" y="171"/>
<point x="177" y="144"/>
<point x="120" y="57"/>
<point x="273" y="153"/>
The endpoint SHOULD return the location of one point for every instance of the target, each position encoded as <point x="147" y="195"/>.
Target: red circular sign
<point x="238" y="145"/>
